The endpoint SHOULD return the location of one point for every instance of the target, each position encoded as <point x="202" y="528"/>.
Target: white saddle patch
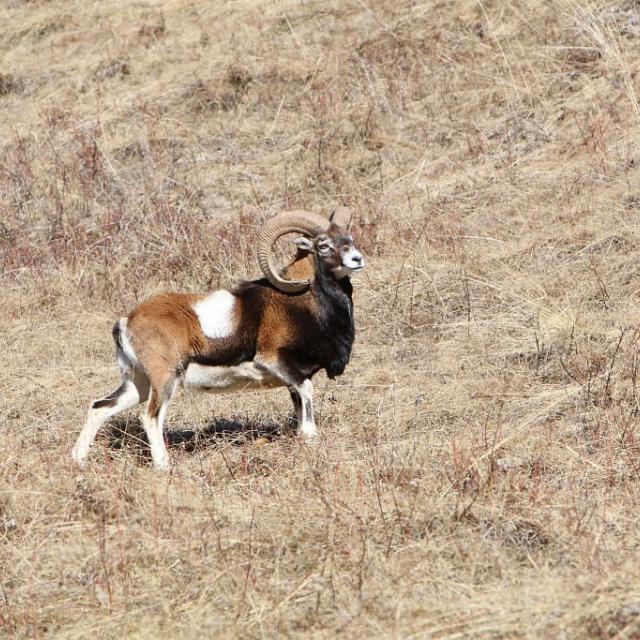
<point x="215" y="313"/>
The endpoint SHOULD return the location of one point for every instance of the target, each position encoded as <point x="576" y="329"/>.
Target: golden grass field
<point x="478" y="473"/>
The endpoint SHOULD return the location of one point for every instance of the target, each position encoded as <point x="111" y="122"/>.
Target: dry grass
<point x="478" y="474"/>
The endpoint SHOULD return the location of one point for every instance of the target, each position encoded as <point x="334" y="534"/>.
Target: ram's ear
<point x="303" y="243"/>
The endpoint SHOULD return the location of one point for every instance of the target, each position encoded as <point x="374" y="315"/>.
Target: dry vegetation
<point x="478" y="473"/>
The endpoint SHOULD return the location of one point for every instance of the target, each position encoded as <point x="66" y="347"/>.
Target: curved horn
<point x="341" y="216"/>
<point x="304" y="222"/>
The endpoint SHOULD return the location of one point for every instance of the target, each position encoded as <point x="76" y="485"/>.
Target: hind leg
<point x="153" y="420"/>
<point x="127" y="395"/>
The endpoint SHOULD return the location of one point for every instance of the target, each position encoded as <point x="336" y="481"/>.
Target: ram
<point x="277" y="331"/>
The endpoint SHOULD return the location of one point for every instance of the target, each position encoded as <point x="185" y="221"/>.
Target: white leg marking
<point x="306" y="426"/>
<point x="215" y="313"/>
<point x="97" y="417"/>
<point x="153" y="428"/>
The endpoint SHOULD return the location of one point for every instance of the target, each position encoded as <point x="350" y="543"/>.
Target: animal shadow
<point x="128" y="432"/>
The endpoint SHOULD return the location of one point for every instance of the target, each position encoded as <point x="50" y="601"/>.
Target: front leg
<point x="306" y="424"/>
<point x="300" y="388"/>
<point x="297" y="406"/>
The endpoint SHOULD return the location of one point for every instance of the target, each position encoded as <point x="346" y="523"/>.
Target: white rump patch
<point x="215" y="313"/>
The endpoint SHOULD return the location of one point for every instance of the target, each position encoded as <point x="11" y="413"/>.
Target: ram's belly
<point x="218" y="379"/>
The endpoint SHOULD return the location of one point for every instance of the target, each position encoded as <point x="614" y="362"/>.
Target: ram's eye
<point x="325" y="246"/>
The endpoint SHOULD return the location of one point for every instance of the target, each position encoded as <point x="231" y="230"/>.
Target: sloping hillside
<point x="478" y="472"/>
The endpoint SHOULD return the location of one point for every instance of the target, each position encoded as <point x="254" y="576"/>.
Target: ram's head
<point x="328" y="239"/>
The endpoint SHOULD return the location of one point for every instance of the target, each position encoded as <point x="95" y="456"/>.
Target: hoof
<point x="78" y="459"/>
<point x="163" y="466"/>
<point x="308" y="435"/>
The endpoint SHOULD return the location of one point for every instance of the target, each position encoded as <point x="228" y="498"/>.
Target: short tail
<point x="117" y="333"/>
<point x="125" y="354"/>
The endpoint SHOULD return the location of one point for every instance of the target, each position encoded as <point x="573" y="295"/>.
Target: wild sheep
<point x="275" y="331"/>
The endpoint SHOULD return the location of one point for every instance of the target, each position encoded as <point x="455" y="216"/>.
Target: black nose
<point x="357" y="258"/>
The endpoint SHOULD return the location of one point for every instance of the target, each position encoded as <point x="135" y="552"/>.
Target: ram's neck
<point x="302" y="267"/>
<point x="333" y="295"/>
<point x="336" y="329"/>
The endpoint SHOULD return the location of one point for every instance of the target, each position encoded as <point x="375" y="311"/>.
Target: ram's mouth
<point x="353" y="270"/>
